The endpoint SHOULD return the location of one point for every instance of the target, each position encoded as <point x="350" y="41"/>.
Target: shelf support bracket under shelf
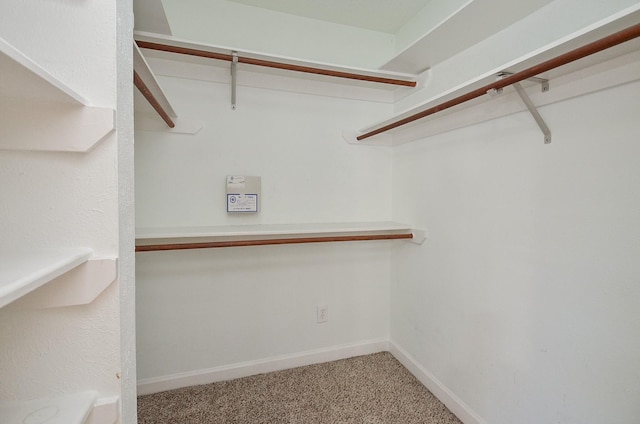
<point x="534" y="112"/>
<point x="234" y="72"/>
<point x="544" y="84"/>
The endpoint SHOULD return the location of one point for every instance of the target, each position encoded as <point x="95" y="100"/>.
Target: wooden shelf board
<point x="68" y="409"/>
<point x="282" y="233"/>
<point x="39" y="112"/>
<point x="259" y="57"/>
<point x="21" y="272"/>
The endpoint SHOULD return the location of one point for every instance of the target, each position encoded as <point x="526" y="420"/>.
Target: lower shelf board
<point x="21" y="272"/>
<point x="59" y="277"/>
<point x="68" y="409"/>
<point x="157" y="239"/>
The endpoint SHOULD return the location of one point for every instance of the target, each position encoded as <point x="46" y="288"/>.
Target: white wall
<point x="126" y="211"/>
<point x="62" y="200"/>
<point x="523" y="303"/>
<point x="235" y="25"/>
<point x="203" y="309"/>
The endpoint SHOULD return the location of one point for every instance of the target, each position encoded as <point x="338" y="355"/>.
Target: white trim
<point x="245" y="369"/>
<point x="435" y="386"/>
<point x="105" y="411"/>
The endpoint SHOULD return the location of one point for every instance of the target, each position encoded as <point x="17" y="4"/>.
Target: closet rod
<point x="563" y="59"/>
<point x="273" y="64"/>
<point x="244" y="243"/>
<point x="152" y="100"/>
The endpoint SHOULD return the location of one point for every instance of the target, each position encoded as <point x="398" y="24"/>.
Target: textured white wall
<point x="126" y="211"/>
<point x="292" y="140"/>
<point x="524" y="300"/>
<point x="204" y="309"/>
<point x="62" y="200"/>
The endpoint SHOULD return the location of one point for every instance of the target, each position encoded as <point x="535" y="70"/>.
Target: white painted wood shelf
<point x="40" y="112"/>
<point x="22" y="272"/>
<point x="265" y="61"/>
<point x="577" y="78"/>
<point x="287" y="232"/>
<point x="68" y="409"/>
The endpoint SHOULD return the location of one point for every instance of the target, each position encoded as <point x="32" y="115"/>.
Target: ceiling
<point x="378" y="15"/>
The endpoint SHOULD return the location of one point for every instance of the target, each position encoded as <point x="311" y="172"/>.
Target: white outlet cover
<point x="322" y="313"/>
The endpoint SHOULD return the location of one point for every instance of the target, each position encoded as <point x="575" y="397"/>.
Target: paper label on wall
<point x="235" y="181"/>
<point x="242" y="203"/>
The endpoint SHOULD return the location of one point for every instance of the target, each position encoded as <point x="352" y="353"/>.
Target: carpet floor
<point x="370" y="389"/>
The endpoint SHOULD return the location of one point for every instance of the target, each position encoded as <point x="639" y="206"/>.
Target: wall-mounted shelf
<point x="448" y="37"/>
<point x="39" y="112"/>
<point x="77" y="278"/>
<point x="77" y="408"/>
<point x="69" y="409"/>
<point x="152" y="239"/>
<point x="271" y="68"/>
<point x="171" y="44"/>
<point x="148" y="86"/>
<point x="588" y="48"/>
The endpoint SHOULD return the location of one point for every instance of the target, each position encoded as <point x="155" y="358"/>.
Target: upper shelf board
<point x="475" y="20"/>
<point x="567" y="44"/>
<point x="21" y="272"/>
<point x="40" y="112"/>
<point x="263" y="60"/>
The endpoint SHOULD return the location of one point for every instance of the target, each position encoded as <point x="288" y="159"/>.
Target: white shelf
<point x="39" y="112"/>
<point x="566" y="77"/>
<point x="69" y="409"/>
<point x="448" y="37"/>
<point x="147" y="236"/>
<point x="22" y="272"/>
<point x="172" y="41"/>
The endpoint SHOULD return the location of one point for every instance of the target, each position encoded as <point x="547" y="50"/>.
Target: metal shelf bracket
<point x="234" y="71"/>
<point x="544" y="84"/>
<point x="534" y="112"/>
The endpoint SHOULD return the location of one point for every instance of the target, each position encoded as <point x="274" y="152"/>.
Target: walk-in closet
<point x="202" y="191"/>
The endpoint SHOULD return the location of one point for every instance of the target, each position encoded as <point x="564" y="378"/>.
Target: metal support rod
<point x="234" y="71"/>
<point x="534" y="112"/>
<point x="245" y="243"/>
<point x="584" y="51"/>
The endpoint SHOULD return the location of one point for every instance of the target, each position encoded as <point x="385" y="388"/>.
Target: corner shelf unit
<point x="179" y="238"/>
<point x="40" y="112"/>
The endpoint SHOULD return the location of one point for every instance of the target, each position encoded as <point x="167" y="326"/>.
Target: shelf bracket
<point x="234" y="71"/>
<point x="534" y="112"/>
<point x="544" y="84"/>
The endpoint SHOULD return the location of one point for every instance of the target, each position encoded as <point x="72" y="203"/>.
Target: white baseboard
<point x="439" y="390"/>
<point x="245" y="369"/>
<point x="333" y="353"/>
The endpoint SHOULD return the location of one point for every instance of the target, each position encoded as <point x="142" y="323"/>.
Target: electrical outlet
<point x="322" y="313"/>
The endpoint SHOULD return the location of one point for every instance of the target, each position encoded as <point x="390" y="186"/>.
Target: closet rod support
<point x="544" y="83"/>
<point x="234" y="71"/>
<point x="534" y="112"/>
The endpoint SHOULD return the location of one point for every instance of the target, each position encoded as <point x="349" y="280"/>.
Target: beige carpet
<point x="371" y="389"/>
